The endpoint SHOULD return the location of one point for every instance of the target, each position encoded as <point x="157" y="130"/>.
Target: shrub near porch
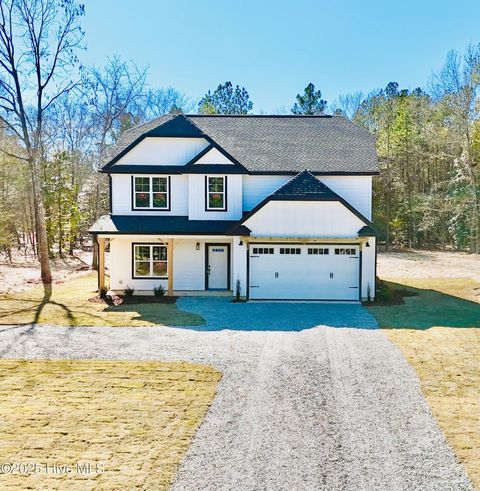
<point x="68" y="305"/>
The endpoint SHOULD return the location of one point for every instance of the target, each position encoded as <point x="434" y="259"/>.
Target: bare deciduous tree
<point x="38" y="44"/>
<point x="113" y="94"/>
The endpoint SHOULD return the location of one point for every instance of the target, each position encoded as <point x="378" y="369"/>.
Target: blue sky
<point x="275" y="48"/>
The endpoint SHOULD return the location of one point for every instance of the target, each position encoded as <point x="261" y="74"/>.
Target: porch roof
<point x="168" y="225"/>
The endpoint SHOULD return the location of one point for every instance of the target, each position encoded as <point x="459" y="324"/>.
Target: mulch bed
<point x="135" y="300"/>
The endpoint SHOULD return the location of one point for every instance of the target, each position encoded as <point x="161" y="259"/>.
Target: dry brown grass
<point x="136" y="419"/>
<point x="447" y="362"/>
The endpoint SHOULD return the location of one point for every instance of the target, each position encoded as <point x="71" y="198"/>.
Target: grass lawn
<point x="438" y="331"/>
<point x="67" y="305"/>
<point x="135" y="420"/>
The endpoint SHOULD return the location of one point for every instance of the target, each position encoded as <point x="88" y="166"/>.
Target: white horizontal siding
<point x="304" y="219"/>
<point x="122" y="196"/>
<point x="164" y="151"/>
<point x="257" y="188"/>
<point x="356" y="190"/>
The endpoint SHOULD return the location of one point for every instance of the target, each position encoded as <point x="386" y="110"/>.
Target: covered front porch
<point x="182" y="265"/>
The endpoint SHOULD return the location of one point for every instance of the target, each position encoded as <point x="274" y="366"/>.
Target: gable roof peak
<point x="306" y="186"/>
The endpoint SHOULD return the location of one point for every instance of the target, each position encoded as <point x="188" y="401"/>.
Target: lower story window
<point x="149" y="261"/>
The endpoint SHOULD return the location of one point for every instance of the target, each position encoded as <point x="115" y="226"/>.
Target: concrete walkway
<point x="321" y="409"/>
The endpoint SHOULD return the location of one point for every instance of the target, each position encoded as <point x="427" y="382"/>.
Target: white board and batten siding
<point x="356" y="190"/>
<point x="164" y="151"/>
<point x="304" y="219"/>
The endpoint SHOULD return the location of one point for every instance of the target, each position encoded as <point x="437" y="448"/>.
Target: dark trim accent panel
<point x="199" y="155"/>
<point x="248" y="271"/>
<point x="225" y="194"/>
<point x="169" y="192"/>
<point x="207" y="168"/>
<point x="110" y="193"/>
<point x="315" y="173"/>
<point x="221" y="244"/>
<point x="360" y="273"/>
<point x="133" y="262"/>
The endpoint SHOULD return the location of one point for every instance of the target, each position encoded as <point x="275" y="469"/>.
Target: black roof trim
<point x="367" y="231"/>
<point x="276" y="116"/>
<point x="214" y="169"/>
<point x="213" y="145"/>
<point x="144" y="169"/>
<point x="176" y="127"/>
<point x="315" y="173"/>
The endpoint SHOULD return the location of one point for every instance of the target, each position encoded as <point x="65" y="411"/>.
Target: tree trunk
<point x="42" y="244"/>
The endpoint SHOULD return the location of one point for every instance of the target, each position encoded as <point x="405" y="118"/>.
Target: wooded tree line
<point x="58" y="119"/>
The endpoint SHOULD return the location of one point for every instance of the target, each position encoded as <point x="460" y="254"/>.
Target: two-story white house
<point x="280" y="205"/>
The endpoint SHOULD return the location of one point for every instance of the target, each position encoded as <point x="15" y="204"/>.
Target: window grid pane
<point x="150" y="261"/>
<point x="159" y="184"/>
<point x="215" y="184"/>
<point x="160" y="200"/>
<point x="215" y="200"/>
<point x="142" y="184"/>
<point x="151" y="192"/>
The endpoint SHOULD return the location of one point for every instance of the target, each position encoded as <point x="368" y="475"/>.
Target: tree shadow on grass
<point x="37" y="309"/>
<point x="428" y="308"/>
<point x="159" y="314"/>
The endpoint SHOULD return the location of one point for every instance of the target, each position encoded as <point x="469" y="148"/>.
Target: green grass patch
<point x="67" y="304"/>
<point x="436" y="302"/>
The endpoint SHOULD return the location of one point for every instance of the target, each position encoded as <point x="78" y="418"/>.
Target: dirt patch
<point x="428" y="264"/>
<point x="24" y="272"/>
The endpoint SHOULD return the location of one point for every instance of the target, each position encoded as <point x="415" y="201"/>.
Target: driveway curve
<point x="320" y="409"/>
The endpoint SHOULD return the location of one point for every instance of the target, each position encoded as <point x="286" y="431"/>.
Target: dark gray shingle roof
<point x="321" y="144"/>
<point x="304" y="186"/>
<point x="170" y="225"/>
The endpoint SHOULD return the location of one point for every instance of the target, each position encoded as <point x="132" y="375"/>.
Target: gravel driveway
<point x="320" y="409"/>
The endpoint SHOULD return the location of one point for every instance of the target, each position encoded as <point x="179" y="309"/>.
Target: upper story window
<point x="151" y="193"/>
<point x="216" y="193"/>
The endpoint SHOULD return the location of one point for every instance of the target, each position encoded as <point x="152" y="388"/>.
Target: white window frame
<point x="208" y="192"/>
<point x="150" y="261"/>
<point x="150" y="193"/>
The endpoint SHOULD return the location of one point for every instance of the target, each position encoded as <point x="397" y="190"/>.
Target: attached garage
<point x="304" y="271"/>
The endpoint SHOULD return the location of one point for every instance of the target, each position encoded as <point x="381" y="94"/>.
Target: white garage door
<point x="304" y="272"/>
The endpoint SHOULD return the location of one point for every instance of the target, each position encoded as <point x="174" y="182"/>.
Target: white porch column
<point x="170" y="267"/>
<point x="239" y="266"/>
